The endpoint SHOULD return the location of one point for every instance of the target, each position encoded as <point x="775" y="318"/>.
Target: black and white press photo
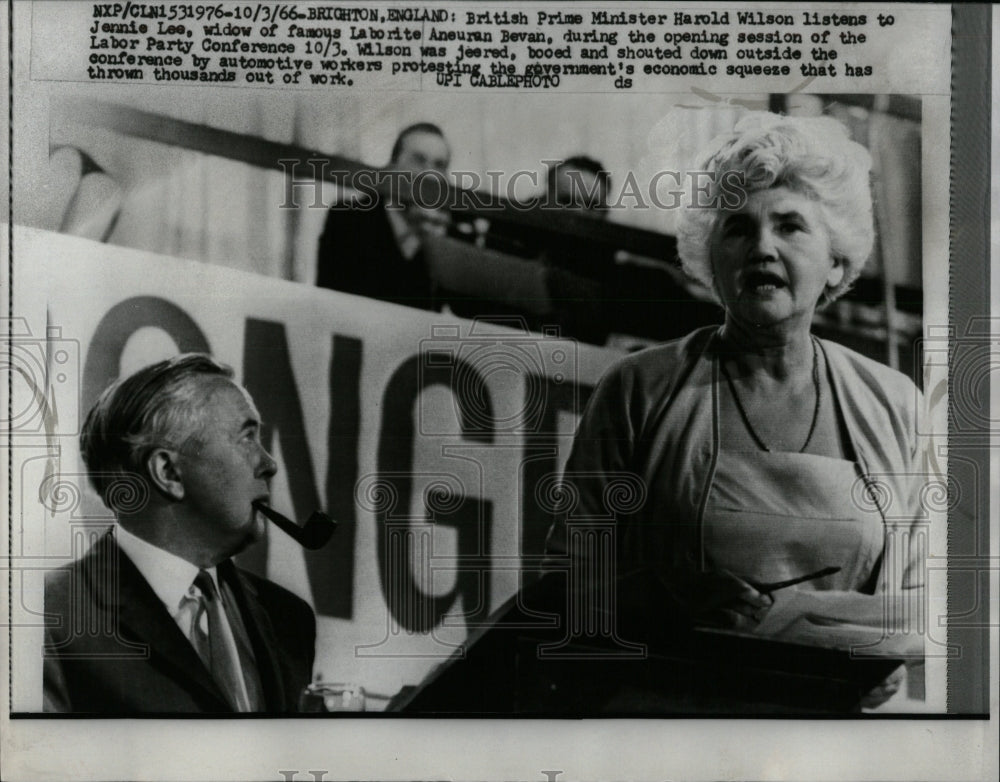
<point x="559" y="376"/>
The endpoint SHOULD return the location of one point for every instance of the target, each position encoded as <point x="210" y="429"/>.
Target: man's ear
<point x="164" y="473"/>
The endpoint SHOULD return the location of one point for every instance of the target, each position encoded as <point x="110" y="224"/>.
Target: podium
<point x="536" y="659"/>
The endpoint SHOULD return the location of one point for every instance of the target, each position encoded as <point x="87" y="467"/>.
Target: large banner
<point x="206" y="147"/>
<point x="434" y="442"/>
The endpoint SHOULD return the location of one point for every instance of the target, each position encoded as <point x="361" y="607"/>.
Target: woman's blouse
<point x="648" y="464"/>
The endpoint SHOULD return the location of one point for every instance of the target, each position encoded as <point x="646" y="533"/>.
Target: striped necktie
<point x="217" y="648"/>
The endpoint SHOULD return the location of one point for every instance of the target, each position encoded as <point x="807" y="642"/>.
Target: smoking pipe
<point x="314" y="534"/>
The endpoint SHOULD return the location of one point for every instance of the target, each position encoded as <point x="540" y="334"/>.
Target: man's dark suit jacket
<point x="358" y="254"/>
<point x="117" y="650"/>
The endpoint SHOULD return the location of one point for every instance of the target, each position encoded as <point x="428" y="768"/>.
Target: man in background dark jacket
<point x="373" y="246"/>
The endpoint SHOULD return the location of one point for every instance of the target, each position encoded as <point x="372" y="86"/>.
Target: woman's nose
<point x="764" y="246"/>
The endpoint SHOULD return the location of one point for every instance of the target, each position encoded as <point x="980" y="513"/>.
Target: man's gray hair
<point x="158" y="406"/>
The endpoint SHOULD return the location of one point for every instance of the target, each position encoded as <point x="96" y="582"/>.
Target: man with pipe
<point x="155" y="617"/>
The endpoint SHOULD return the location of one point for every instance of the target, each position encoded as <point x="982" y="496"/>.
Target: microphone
<point x="312" y="535"/>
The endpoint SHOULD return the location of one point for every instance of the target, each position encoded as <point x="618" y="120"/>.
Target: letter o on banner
<point x="103" y="363"/>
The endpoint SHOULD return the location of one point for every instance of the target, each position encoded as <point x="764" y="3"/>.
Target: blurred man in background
<point x="575" y="267"/>
<point x="373" y="246"/>
<point x="579" y="183"/>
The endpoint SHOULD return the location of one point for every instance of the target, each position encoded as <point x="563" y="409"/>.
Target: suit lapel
<point x="262" y="636"/>
<point x="116" y="583"/>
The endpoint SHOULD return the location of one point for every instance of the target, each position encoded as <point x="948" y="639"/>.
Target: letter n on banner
<point x="268" y="376"/>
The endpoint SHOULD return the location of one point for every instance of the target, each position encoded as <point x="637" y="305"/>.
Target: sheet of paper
<point x="843" y="620"/>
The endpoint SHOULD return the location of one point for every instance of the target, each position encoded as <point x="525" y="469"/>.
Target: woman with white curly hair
<point x="755" y="448"/>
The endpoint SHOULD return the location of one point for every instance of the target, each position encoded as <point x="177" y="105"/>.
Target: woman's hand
<point x="718" y="599"/>
<point x="884" y="691"/>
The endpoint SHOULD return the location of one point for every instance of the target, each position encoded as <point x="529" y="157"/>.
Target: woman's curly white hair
<point x="811" y="155"/>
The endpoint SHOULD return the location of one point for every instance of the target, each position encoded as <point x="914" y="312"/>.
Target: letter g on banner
<point x="390" y="497"/>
